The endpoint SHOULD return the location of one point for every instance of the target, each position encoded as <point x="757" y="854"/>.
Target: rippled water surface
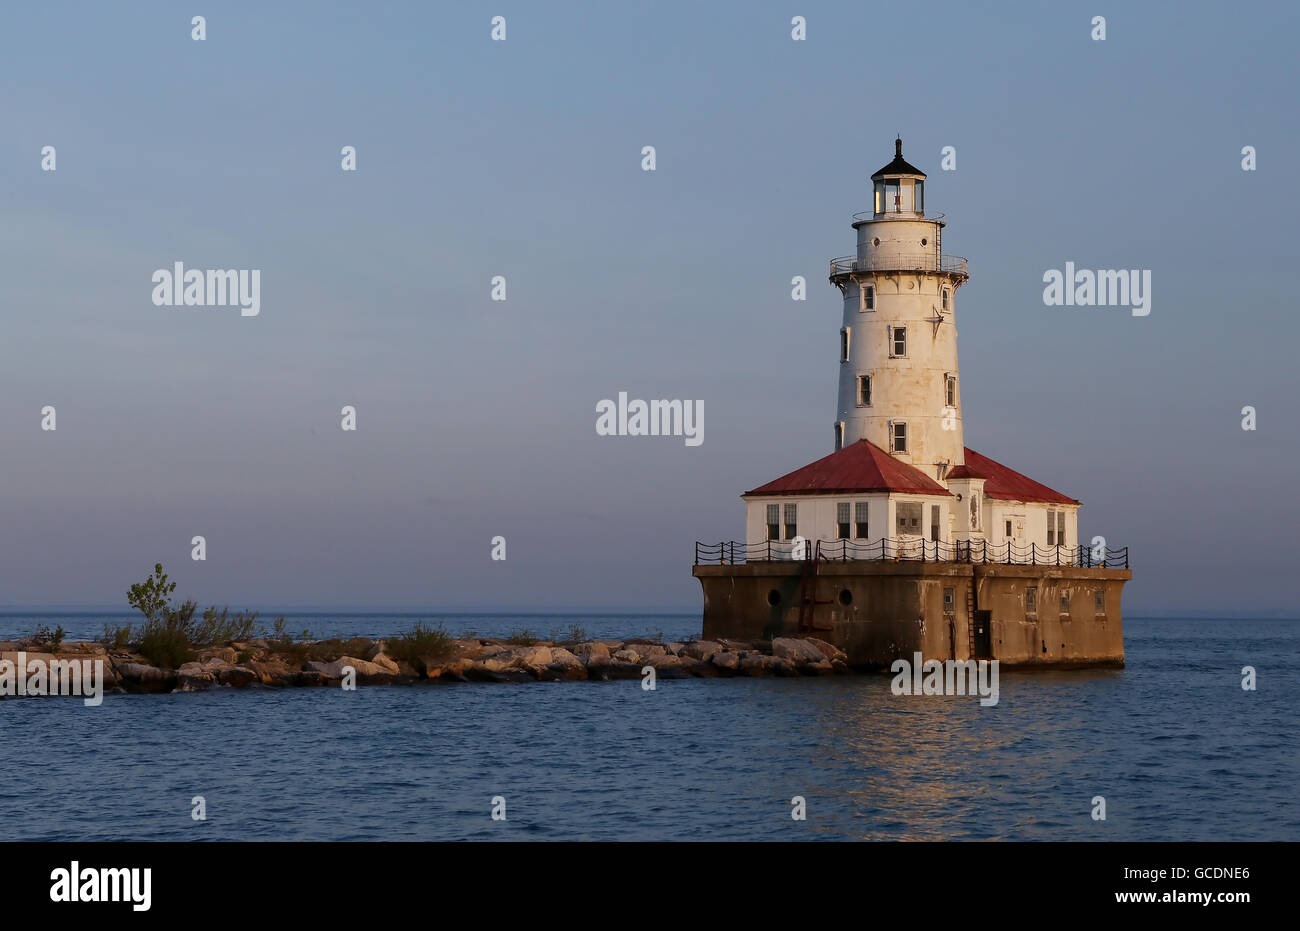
<point x="1177" y="748"/>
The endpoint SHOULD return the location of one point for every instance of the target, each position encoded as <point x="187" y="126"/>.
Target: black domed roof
<point x="898" y="166"/>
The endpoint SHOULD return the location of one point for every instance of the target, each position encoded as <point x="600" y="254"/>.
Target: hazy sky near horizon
<point x="523" y="159"/>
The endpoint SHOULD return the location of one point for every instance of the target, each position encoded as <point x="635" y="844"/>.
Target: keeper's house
<point x="903" y="539"/>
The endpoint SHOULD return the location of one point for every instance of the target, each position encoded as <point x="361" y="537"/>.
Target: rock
<point x="757" y="664"/>
<point x="566" y="665"/>
<point x="646" y="651"/>
<point x="729" y="662"/>
<point x="666" y="666"/>
<point x="237" y="677"/>
<point x="272" y="672"/>
<point x="700" y="649"/>
<point x="620" y="669"/>
<point x="592" y="651"/>
<point x="366" y="671"/>
<point x="138" y="677"/>
<point x="193" y="677"/>
<point x="830" y="651"/>
<point x="797" y="651"/>
<point x="625" y="656"/>
<point x="823" y="668"/>
<point x="386" y="662"/>
<point x="674" y="649"/>
<point x="225" y="654"/>
<point x="698" y="668"/>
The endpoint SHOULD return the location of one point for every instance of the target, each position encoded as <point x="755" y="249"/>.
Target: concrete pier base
<point x="879" y="611"/>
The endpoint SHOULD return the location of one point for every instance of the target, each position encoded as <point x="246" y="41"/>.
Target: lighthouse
<point x="904" y="538"/>
<point x="898" y="381"/>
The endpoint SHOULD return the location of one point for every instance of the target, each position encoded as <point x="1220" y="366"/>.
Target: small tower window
<point x="868" y="301"/>
<point x="864" y="391"/>
<point x="842" y="520"/>
<point x="1031" y="599"/>
<point x="950" y="390"/>
<point x="860" y="519"/>
<point x="897" y="342"/>
<point x="920" y="196"/>
<point x="844" y="344"/>
<point x="774" y="521"/>
<point x="897" y="437"/>
<point x="791" y="521"/>
<point x="1099" y="601"/>
<point x="839" y="436"/>
<point x="934" y="523"/>
<point x="945" y="299"/>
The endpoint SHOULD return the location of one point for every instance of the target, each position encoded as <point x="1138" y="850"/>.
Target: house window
<point x="1055" y="527"/>
<point x="1008" y="530"/>
<point x="897" y="342"/>
<point x="908" y="518"/>
<point x="864" y="391"/>
<point x="897" y="437"/>
<point x="868" y="293"/>
<point x="1099" y="601"/>
<point x="844" y="344"/>
<point x="860" y="518"/>
<point x="791" y="521"/>
<point x="774" y="521"/>
<point x="1065" y="603"/>
<point x="950" y="390"/>
<point x="1031" y="599"/>
<point x="839" y="436"/>
<point x="948" y="600"/>
<point x="945" y="299"/>
<point x="920" y="197"/>
<point x="842" y="520"/>
<point x="934" y="523"/>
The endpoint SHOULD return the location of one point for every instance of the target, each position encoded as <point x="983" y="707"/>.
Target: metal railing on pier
<point x="914" y="549"/>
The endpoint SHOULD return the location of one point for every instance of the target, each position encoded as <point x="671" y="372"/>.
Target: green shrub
<point x="420" y="642"/>
<point x="117" y="637"/>
<point x="224" y="628"/>
<point x="522" y="637"/>
<point x="52" y="640"/>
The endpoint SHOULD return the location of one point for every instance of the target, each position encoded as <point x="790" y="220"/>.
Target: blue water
<point x="1172" y="742"/>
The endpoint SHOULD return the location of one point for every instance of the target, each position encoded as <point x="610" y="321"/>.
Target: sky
<point x="523" y="159"/>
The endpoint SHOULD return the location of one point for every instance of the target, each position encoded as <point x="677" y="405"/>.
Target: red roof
<point x="858" y="467"/>
<point x="1002" y="482"/>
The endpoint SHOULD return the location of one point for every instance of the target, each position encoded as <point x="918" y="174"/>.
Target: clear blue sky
<point x="522" y="158"/>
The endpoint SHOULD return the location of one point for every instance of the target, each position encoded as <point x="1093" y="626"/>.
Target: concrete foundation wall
<point x="877" y="612"/>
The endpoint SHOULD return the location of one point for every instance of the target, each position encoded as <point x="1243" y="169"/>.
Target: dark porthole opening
<point x="774" y="598"/>
<point x="846" y="597"/>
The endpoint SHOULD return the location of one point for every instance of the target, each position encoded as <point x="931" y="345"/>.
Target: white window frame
<point x="893" y="342"/>
<point x="867" y="378"/>
<point x="893" y="436"/>
<point x="866" y="298"/>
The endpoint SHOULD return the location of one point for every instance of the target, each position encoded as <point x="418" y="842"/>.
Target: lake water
<point x="1173" y="743"/>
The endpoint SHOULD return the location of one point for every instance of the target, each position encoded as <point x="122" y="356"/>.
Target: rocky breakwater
<point x="274" y="663"/>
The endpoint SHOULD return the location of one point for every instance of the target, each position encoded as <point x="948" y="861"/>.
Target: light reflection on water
<point x="1177" y="748"/>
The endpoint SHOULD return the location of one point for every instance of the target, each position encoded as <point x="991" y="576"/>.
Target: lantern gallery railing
<point x="913" y="549"/>
<point x="924" y="262"/>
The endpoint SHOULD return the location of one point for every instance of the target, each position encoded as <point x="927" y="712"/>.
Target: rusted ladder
<point x="970" y="620"/>
<point x="808" y="601"/>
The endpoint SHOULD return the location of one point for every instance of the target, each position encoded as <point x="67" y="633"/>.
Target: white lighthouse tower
<point x="899" y="385"/>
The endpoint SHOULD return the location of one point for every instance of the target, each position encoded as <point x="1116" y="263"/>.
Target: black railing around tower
<point x="911" y="549"/>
